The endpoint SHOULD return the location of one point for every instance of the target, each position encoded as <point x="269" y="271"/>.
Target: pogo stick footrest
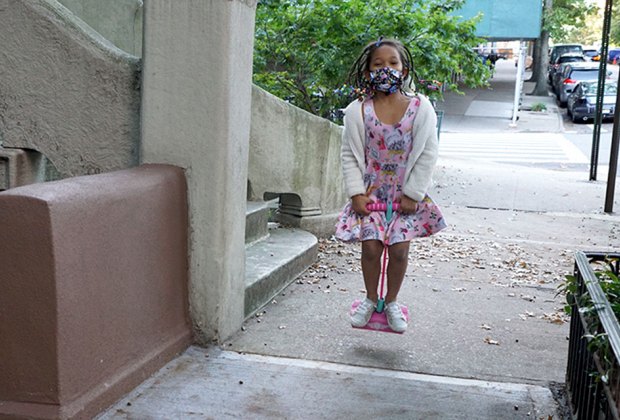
<point x="378" y="321"/>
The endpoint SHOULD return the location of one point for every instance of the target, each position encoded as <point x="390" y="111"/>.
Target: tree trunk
<point x="541" y="62"/>
<point x="536" y="68"/>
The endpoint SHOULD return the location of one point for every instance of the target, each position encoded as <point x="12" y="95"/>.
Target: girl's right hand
<point x="358" y="203"/>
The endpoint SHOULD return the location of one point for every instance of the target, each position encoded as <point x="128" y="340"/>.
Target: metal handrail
<point x="603" y="308"/>
<point x="591" y="397"/>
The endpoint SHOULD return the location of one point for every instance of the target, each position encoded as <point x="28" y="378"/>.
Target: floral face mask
<point x="386" y="79"/>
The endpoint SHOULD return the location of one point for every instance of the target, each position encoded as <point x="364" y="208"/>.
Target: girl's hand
<point x="408" y="205"/>
<point x="358" y="202"/>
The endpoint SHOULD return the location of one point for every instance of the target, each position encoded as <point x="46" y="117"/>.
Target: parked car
<point x="571" y="74"/>
<point x="581" y="103"/>
<point x="557" y="79"/>
<point x="559" y="49"/>
<point x="613" y="55"/>
<point x="591" y="53"/>
<point x="564" y="58"/>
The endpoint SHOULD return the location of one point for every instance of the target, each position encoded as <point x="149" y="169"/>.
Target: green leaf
<point x="304" y="48"/>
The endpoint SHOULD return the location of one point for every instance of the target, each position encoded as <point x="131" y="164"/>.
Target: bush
<point x="305" y="48"/>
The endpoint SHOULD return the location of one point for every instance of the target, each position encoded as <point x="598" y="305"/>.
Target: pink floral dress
<point x="387" y="149"/>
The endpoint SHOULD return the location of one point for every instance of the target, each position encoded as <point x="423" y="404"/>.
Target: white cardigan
<point x="421" y="160"/>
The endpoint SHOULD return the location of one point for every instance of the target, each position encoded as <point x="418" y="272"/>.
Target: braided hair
<point x="357" y="74"/>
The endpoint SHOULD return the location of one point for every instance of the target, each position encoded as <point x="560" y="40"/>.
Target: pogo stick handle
<point x="381" y="206"/>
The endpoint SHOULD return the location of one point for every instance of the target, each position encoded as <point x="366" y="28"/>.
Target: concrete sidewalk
<point x="217" y="384"/>
<point x="488" y="335"/>
<point x="490" y="109"/>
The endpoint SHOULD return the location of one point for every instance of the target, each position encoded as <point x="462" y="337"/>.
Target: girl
<point x="389" y="150"/>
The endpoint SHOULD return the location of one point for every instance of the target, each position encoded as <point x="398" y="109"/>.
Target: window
<point x="584" y="74"/>
<point x="589" y="89"/>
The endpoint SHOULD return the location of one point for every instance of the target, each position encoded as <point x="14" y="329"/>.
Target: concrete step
<point x="256" y="220"/>
<point x="273" y="263"/>
<point x="20" y="167"/>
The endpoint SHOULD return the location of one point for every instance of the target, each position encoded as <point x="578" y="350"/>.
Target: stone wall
<point x="295" y="155"/>
<point x="65" y="91"/>
<point x="119" y="21"/>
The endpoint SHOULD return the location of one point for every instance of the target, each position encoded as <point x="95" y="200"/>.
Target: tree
<point x="562" y="19"/>
<point x="541" y="54"/>
<point x="590" y="33"/>
<point x="567" y="17"/>
<point x="304" y="48"/>
<point x="614" y="33"/>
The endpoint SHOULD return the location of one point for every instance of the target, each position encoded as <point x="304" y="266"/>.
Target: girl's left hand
<point x="408" y="205"/>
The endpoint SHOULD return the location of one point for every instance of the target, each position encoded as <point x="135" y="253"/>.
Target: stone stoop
<point x="20" y="167"/>
<point x="256" y="222"/>
<point x="275" y="256"/>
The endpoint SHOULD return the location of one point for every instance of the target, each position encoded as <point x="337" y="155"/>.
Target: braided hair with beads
<point x="358" y="73"/>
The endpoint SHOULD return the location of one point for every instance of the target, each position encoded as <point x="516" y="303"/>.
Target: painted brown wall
<point x="96" y="273"/>
<point x="28" y="323"/>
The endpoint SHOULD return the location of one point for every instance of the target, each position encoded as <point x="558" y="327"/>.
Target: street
<point x="547" y="139"/>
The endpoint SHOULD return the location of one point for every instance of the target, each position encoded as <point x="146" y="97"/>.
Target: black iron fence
<point x="593" y="371"/>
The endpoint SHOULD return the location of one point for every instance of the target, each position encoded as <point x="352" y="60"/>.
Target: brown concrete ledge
<point x="93" y="273"/>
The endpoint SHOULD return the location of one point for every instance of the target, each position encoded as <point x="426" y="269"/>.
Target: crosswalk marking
<point x="591" y="127"/>
<point x="511" y="147"/>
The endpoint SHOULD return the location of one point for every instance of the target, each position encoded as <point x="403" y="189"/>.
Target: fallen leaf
<point x="555" y="318"/>
<point x="526" y="315"/>
<point x="488" y="340"/>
